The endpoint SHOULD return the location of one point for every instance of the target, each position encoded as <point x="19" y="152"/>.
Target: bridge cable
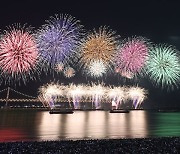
<point x="23" y="94"/>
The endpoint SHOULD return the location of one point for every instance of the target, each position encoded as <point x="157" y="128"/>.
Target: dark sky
<point x="157" y="20"/>
<point x="154" y="19"/>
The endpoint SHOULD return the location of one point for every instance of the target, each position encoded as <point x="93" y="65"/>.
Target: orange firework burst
<point x="99" y="45"/>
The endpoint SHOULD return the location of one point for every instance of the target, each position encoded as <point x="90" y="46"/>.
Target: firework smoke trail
<point x="58" y="40"/>
<point x="18" y="54"/>
<point x="116" y="95"/>
<point x="98" y="46"/>
<point x="131" y="56"/>
<point x="136" y="94"/>
<point x="69" y="72"/>
<point x="163" y="66"/>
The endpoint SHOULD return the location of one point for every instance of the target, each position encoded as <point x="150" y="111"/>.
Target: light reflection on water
<point x="40" y="125"/>
<point x="94" y="124"/>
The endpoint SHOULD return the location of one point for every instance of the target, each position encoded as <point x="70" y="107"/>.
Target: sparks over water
<point x="137" y="95"/>
<point x="94" y="93"/>
<point x="49" y="93"/>
<point x="117" y="95"/>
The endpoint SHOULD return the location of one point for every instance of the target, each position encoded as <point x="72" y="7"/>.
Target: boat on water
<point x="118" y="111"/>
<point x="61" y="111"/>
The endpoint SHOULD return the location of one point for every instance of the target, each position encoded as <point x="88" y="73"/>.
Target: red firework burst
<point x="18" y="52"/>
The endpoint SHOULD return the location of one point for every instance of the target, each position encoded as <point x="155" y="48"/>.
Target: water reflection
<point x="93" y="124"/>
<point x="48" y="126"/>
<point x="168" y="124"/>
<point x="40" y="125"/>
<point x="138" y="124"/>
<point x="17" y="125"/>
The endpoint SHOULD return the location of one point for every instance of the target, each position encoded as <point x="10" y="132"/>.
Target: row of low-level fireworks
<point x="51" y="94"/>
<point x="63" y="42"/>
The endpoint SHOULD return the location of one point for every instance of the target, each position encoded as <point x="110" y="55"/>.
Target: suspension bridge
<point x="7" y="99"/>
<point x="7" y="92"/>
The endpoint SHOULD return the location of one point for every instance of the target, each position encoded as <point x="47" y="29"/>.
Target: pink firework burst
<point x="59" y="67"/>
<point x="18" y="53"/>
<point x="132" y="55"/>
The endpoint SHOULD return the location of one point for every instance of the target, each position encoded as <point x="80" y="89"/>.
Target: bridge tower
<point x="7" y="97"/>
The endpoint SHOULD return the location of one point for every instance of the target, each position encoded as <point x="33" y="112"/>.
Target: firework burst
<point x="18" y="54"/>
<point x="99" y="46"/>
<point x="59" y="67"/>
<point x="59" y="39"/>
<point x="163" y="66"/>
<point x="116" y="95"/>
<point x="69" y="72"/>
<point x="98" y="94"/>
<point x="96" y="68"/>
<point x="131" y="56"/>
<point x="49" y="93"/>
<point x="137" y="95"/>
<point x="75" y="93"/>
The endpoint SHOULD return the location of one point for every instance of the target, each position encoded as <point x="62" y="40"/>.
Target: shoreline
<point x="46" y="109"/>
<point x="126" y="145"/>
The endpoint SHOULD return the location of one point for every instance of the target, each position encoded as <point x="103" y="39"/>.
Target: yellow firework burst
<point x="99" y="45"/>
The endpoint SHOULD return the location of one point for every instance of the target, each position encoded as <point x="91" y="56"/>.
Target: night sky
<point x="157" y="20"/>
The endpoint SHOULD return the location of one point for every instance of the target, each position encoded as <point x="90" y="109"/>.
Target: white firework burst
<point x="97" y="68"/>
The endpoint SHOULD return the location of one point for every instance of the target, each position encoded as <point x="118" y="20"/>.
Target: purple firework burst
<point x="59" y="39"/>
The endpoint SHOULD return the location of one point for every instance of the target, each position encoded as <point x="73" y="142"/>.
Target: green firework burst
<point x="163" y="66"/>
